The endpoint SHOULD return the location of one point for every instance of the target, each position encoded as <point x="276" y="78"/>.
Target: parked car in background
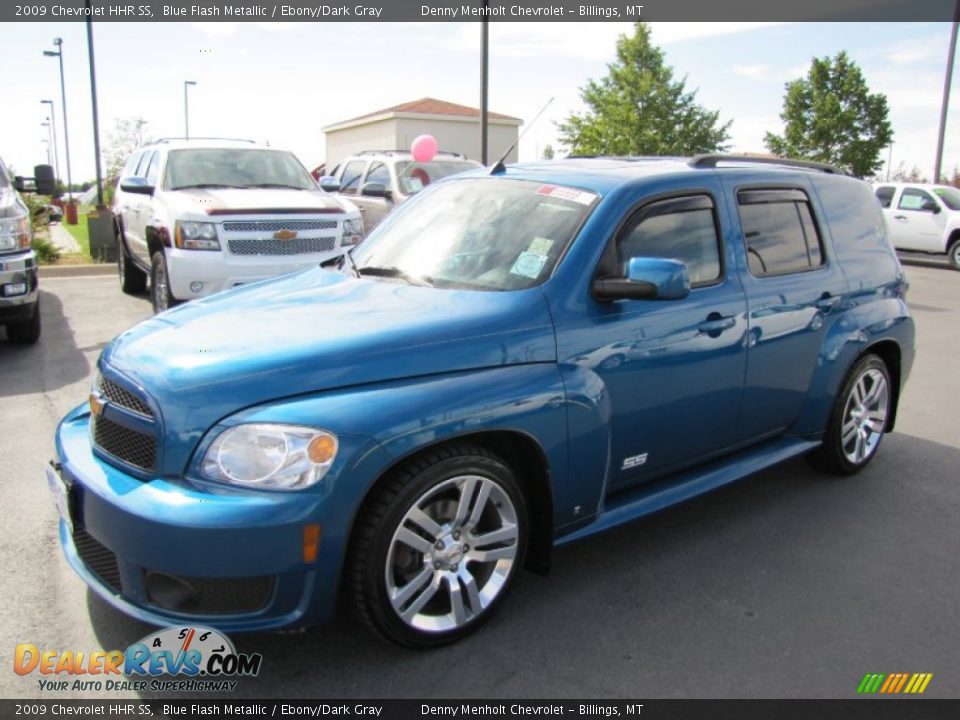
<point x="922" y="218"/>
<point x="519" y="358"/>
<point x="200" y="216"/>
<point x="19" y="287"/>
<point x="377" y="181"/>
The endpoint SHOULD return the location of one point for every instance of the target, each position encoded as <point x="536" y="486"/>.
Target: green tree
<point x="831" y="116"/>
<point x="639" y="109"/>
<point x="548" y="153"/>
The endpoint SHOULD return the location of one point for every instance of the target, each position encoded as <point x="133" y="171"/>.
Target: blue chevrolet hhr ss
<point x="514" y="359"/>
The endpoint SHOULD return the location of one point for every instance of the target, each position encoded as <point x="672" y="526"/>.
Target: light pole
<point x="58" y="53"/>
<point x="186" y="108"/>
<point x="948" y="77"/>
<point x="53" y="134"/>
<point x="47" y="141"/>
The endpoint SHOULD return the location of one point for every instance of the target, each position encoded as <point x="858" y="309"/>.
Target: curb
<point x="62" y="271"/>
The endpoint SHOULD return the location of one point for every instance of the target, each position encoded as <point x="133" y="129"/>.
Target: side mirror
<point x="136" y="185"/>
<point x="931" y="206"/>
<point x="374" y="189"/>
<point x="328" y="183"/>
<point x="45" y="180"/>
<point x="648" y="278"/>
<point x="19" y="184"/>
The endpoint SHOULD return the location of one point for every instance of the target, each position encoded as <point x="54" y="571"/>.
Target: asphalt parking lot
<point x="789" y="584"/>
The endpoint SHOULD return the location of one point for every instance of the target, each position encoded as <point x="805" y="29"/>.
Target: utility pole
<point x="947" y="80"/>
<point x="485" y="79"/>
<point x="58" y="53"/>
<point x="93" y="103"/>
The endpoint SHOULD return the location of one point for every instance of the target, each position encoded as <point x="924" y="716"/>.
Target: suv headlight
<point x="14" y="233"/>
<point x="196" y="236"/>
<point x="352" y="232"/>
<point x="275" y="457"/>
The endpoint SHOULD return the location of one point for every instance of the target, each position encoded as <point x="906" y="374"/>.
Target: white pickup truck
<point x="922" y="218"/>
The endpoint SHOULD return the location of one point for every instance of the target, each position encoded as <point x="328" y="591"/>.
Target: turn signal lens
<point x="322" y="449"/>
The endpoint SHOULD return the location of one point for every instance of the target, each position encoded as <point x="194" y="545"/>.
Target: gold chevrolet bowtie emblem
<point x="284" y="234"/>
<point x="96" y="406"/>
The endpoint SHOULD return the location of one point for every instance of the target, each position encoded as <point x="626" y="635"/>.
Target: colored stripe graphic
<point x="894" y="683"/>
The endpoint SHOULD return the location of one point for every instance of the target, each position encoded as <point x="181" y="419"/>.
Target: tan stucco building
<point x="456" y="128"/>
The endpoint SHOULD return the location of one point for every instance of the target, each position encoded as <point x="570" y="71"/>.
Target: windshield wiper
<point x="201" y="186"/>
<point x="282" y="186"/>
<point x="394" y="272"/>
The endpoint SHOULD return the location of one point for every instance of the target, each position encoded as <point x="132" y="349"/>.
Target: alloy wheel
<point x="865" y="416"/>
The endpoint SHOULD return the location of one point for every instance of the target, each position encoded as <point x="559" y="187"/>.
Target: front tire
<point x="858" y="418"/>
<point x="160" y="293"/>
<point x="437" y="547"/>
<point x="25" y="332"/>
<point x="953" y="254"/>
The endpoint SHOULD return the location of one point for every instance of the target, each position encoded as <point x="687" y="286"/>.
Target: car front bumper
<point x="16" y="270"/>
<point x="141" y="545"/>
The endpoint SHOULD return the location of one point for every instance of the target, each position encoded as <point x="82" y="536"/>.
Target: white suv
<point x="201" y="216"/>
<point x="922" y="218"/>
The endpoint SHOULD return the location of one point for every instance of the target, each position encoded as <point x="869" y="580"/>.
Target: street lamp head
<point x="189" y="82"/>
<point x="48" y="102"/>
<point x="58" y="41"/>
<point x="51" y="53"/>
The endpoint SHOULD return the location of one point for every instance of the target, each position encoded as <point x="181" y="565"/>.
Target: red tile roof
<point x="431" y="106"/>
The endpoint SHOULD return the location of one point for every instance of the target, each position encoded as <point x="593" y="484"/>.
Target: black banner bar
<point x="865" y="709"/>
<point x="474" y="11"/>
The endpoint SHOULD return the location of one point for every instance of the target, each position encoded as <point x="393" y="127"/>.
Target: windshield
<point x="950" y="197"/>
<point x="483" y="234"/>
<point x="235" y="167"/>
<point x="412" y="177"/>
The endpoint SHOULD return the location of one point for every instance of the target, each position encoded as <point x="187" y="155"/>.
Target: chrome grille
<point x="296" y="246"/>
<point x="112" y="392"/>
<point x="276" y="225"/>
<point x="135" y="448"/>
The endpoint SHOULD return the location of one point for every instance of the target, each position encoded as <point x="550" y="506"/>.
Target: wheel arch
<point x="528" y="460"/>
<point x="157" y="239"/>
<point x="888" y="351"/>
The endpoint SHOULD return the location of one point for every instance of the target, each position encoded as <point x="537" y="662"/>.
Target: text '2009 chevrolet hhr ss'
<point x="514" y="359"/>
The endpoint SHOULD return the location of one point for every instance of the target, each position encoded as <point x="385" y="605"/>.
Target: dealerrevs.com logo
<point x="202" y="659"/>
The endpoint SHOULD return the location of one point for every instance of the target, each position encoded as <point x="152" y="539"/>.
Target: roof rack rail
<point x="175" y="139"/>
<point x="711" y="161"/>
<point x="407" y="152"/>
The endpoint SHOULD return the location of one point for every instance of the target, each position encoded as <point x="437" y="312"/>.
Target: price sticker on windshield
<point x="565" y="193"/>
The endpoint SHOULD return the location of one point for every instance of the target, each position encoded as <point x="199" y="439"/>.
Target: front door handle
<point x="716" y="324"/>
<point x="900" y="217"/>
<point x="827" y="302"/>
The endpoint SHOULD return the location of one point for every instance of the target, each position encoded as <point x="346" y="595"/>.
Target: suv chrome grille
<point x="296" y="246"/>
<point x="136" y="448"/>
<point x="117" y="395"/>
<point x="275" y="225"/>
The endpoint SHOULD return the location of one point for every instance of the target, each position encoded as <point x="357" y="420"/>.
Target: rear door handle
<point x="714" y="324"/>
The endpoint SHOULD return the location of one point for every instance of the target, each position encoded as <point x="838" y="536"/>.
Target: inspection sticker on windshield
<point x="565" y="193"/>
<point x="528" y="264"/>
<point x="540" y="246"/>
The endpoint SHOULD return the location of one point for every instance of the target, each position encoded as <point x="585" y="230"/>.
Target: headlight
<point x="14" y="233"/>
<point x="278" y="457"/>
<point x="352" y="232"/>
<point x="196" y="236"/>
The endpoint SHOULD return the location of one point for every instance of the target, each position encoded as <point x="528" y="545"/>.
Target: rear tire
<point x="437" y="547"/>
<point x="858" y="419"/>
<point x="25" y="332"/>
<point x="160" y="293"/>
<point x="133" y="280"/>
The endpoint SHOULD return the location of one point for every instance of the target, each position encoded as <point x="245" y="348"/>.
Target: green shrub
<point x="47" y="252"/>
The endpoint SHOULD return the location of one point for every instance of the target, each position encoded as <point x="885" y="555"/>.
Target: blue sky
<point x="284" y="82"/>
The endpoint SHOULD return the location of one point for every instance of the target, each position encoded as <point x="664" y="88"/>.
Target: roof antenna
<point x="498" y="166"/>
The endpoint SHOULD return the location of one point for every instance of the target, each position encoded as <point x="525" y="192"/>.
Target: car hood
<point x="260" y="201"/>
<point x="313" y="331"/>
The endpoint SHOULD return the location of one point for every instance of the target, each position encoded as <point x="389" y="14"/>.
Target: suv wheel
<point x="160" y="293"/>
<point x="437" y="547"/>
<point x="953" y="254"/>
<point x="133" y="280"/>
<point x="858" y="419"/>
<point x="25" y="332"/>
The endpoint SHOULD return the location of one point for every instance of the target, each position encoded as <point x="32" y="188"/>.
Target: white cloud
<point x="753" y="72"/>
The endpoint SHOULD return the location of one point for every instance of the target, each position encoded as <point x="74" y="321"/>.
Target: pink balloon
<point x="424" y="148"/>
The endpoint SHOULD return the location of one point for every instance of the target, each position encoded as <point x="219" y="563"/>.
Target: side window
<point x="683" y="229"/>
<point x="153" y="169"/>
<point x="378" y="173"/>
<point x="781" y="235"/>
<point x="350" y="180"/>
<point x="885" y="195"/>
<point x="141" y="170"/>
<point x="917" y="200"/>
<point x="131" y="167"/>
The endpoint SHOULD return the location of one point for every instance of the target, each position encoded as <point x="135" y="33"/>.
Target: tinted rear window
<point x="780" y="233"/>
